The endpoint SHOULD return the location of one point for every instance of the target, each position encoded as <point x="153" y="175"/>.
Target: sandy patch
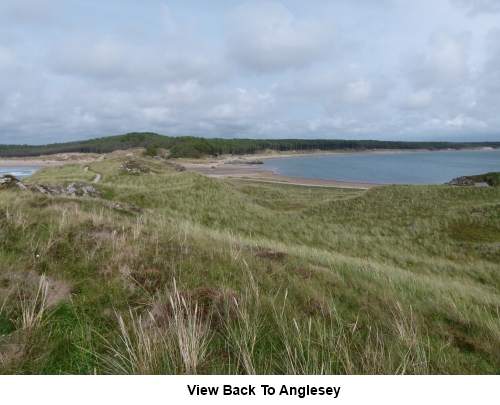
<point x="269" y="177"/>
<point x="29" y="163"/>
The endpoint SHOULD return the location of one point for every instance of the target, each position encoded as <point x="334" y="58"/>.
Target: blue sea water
<point x="19" y="171"/>
<point x="386" y="168"/>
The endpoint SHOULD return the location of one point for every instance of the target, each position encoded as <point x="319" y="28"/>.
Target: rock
<point x="461" y="181"/>
<point x="75" y="189"/>
<point x="7" y="180"/>
<point x="178" y="167"/>
<point x="133" y="167"/>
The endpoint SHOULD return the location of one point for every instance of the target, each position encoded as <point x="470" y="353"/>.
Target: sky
<point x="411" y="70"/>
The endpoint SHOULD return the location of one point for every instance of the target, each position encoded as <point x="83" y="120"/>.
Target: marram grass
<point x="175" y="273"/>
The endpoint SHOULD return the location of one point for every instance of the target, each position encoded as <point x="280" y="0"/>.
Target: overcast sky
<point x="350" y="69"/>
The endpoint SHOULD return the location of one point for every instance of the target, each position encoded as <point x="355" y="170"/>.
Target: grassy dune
<point x="180" y="273"/>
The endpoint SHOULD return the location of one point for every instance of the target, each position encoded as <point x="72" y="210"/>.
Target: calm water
<point x="19" y="171"/>
<point x="399" y="168"/>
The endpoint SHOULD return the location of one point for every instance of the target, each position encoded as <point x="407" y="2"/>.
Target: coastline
<point x="268" y="176"/>
<point x="61" y="159"/>
<point x="222" y="167"/>
<point x="224" y="161"/>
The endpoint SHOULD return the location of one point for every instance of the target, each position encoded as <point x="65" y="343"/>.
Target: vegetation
<point x="492" y="178"/>
<point x="151" y="150"/>
<point x="193" y="147"/>
<point x="181" y="273"/>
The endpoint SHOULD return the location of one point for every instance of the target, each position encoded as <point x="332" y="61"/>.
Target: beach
<point x="270" y="177"/>
<point x="29" y="163"/>
<point x="224" y="167"/>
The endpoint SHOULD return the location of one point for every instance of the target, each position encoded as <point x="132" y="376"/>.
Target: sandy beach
<point x="29" y="163"/>
<point x="269" y="177"/>
<point x="223" y="169"/>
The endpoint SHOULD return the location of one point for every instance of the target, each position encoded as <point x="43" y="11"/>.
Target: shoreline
<point x="268" y="176"/>
<point x="224" y="161"/>
<point x="223" y="169"/>
<point x="45" y="162"/>
<point x="20" y="163"/>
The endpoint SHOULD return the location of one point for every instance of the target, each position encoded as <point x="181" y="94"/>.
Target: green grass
<point x="180" y="273"/>
<point x="492" y="178"/>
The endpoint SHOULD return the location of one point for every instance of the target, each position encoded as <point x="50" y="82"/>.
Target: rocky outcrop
<point x="133" y="167"/>
<point x="75" y="189"/>
<point x="178" y="168"/>
<point x="7" y="180"/>
<point x="461" y="181"/>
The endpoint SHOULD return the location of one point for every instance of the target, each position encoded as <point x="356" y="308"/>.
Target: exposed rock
<point x="75" y="189"/>
<point x="461" y="181"/>
<point x="179" y="168"/>
<point x="7" y="180"/>
<point x="133" y="167"/>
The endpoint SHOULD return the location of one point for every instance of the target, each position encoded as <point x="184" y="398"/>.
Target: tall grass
<point x="400" y="279"/>
<point x="34" y="308"/>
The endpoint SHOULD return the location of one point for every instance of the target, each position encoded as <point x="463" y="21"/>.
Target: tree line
<point x="196" y="147"/>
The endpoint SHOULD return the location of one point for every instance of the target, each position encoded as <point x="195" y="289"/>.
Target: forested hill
<point x="189" y="146"/>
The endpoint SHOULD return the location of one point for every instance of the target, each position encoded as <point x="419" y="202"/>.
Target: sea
<point x="19" y="171"/>
<point x="389" y="168"/>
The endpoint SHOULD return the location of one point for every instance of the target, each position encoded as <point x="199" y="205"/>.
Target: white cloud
<point x="115" y="61"/>
<point x="246" y="69"/>
<point x="448" y="57"/>
<point x="29" y="11"/>
<point x="475" y="7"/>
<point x="358" y="92"/>
<point x="487" y="85"/>
<point x="444" y="65"/>
<point x="266" y="37"/>
<point x="242" y="104"/>
<point x="419" y="99"/>
<point x="104" y="57"/>
<point x="6" y="58"/>
<point x="459" y="122"/>
<point x="328" y="123"/>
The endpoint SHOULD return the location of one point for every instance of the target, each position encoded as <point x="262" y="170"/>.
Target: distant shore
<point x="216" y="163"/>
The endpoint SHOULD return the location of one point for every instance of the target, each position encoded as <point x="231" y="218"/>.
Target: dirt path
<point x="97" y="175"/>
